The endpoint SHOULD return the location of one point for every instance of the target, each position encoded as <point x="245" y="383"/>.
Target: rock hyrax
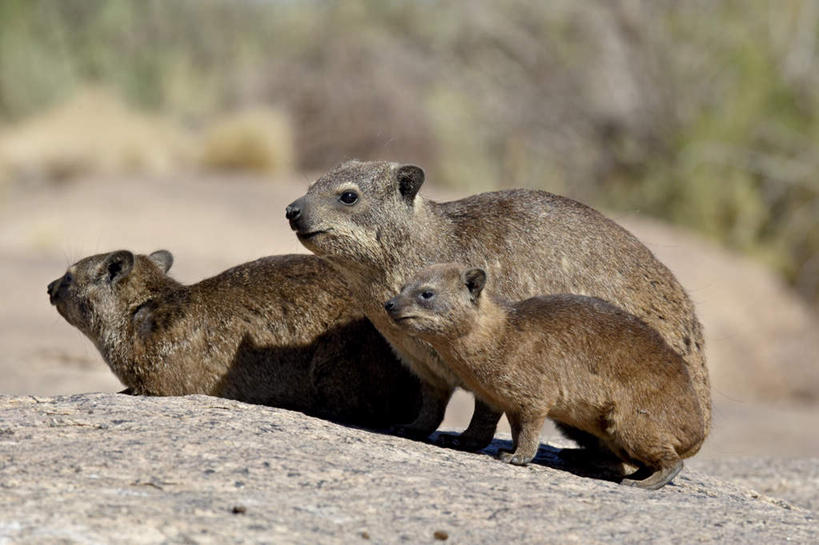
<point x="368" y="221"/>
<point x="576" y="359"/>
<point x="279" y="331"/>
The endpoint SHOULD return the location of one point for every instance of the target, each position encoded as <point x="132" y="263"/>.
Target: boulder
<point x="105" y="468"/>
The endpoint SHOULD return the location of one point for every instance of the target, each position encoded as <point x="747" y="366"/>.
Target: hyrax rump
<point x="278" y="331"/>
<point x="368" y="221"/>
<point x="576" y="359"/>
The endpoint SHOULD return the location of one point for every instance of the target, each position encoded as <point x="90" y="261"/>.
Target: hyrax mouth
<point x="404" y="318"/>
<point x="311" y="234"/>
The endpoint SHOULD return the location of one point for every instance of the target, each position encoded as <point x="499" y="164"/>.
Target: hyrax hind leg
<point x="433" y="407"/>
<point x="657" y="459"/>
<point x="525" y="437"/>
<point x="658" y="479"/>
<point x="480" y="432"/>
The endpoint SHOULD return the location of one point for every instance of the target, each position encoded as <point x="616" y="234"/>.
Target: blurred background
<point x="191" y="124"/>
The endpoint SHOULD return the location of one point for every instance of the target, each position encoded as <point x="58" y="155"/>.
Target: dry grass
<point x="92" y="133"/>
<point x="95" y="133"/>
<point x="258" y="139"/>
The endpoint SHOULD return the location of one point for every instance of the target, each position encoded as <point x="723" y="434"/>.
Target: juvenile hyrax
<point x="368" y="221"/>
<point x="279" y="331"/>
<point x="578" y="360"/>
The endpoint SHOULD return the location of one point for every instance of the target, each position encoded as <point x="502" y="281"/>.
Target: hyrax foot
<point x="480" y="432"/>
<point x="463" y="442"/>
<point x="411" y="432"/>
<point x="525" y="437"/>
<point x="433" y="407"/>
<point x="514" y="458"/>
<point x="656" y="480"/>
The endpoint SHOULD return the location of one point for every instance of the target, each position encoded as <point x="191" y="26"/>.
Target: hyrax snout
<point x="280" y="331"/>
<point x="368" y="220"/>
<point x="575" y="359"/>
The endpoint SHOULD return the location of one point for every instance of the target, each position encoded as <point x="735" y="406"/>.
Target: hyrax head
<point x="440" y="301"/>
<point x="358" y="211"/>
<point x="96" y="291"/>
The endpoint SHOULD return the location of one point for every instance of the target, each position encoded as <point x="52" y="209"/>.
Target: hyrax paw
<point x="460" y="442"/>
<point x="409" y="432"/>
<point x="512" y="458"/>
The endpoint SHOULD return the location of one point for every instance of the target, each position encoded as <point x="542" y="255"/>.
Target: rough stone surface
<point x="106" y="468"/>
<point x="795" y="480"/>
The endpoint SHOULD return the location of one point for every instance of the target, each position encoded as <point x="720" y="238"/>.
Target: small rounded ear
<point x="118" y="265"/>
<point x="410" y="179"/>
<point x="474" y="279"/>
<point x="162" y="259"/>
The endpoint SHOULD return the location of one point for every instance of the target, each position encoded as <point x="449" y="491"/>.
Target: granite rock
<point x="108" y="468"/>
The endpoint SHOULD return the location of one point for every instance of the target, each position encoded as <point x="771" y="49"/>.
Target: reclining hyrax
<point x="279" y="331"/>
<point x="368" y="221"/>
<point x="578" y="360"/>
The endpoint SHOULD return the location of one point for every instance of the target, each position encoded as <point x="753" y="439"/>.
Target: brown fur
<point x="279" y="331"/>
<point x="529" y="242"/>
<point x="578" y="360"/>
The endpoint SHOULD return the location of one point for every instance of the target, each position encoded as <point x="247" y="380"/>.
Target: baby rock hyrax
<point x="578" y="360"/>
<point x="279" y="331"/>
<point x="369" y="222"/>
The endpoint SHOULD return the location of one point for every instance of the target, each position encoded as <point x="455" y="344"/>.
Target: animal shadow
<point x="347" y="375"/>
<point x="577" y="461"/>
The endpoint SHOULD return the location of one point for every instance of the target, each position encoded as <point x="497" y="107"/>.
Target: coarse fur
<point x="575" y="359"/>
<point x="529" y="242"/>
<point x="280" y="331"/>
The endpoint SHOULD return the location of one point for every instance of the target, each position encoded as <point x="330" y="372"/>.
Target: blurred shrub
<point x="91" y="133"/>
<point x="702" y="112"/>
<point x="257" y="139"/>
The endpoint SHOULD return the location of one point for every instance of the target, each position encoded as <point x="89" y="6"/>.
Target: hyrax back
<point x="280" y="331"/>
<point x="369" y="222"/>
<point x="578" y="360"/>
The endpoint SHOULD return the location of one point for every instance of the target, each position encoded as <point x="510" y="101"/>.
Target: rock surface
<point x="106" y="468"/>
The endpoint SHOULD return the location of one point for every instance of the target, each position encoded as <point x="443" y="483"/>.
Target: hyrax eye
<point x="427" y="295"/>
<point x="68" y="278"/>
<point x="348" y="197"/>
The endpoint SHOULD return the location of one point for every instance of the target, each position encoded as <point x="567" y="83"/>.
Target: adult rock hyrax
<point x="576" y="359"/>
<point x="279" y="331"/>
<point x="368" y="221"/>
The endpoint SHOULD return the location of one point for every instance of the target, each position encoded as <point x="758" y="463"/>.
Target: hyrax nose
<point x="293" y="211"/>
<point x="52" y="289"/>
<point x="389" y="306"/>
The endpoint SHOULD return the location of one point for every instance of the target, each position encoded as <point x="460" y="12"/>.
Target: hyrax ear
<point x="474" y="279"/>
<point x="410" y="179"/>
<point x="118" y="265"/>
<point x="162" y="259"/>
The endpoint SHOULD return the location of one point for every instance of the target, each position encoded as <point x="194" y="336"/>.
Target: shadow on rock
<point x="577" y="461"/>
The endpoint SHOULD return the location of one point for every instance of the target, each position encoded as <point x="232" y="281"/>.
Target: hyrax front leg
<point x="526" y="438"/>
<point x="480" y="432"/>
